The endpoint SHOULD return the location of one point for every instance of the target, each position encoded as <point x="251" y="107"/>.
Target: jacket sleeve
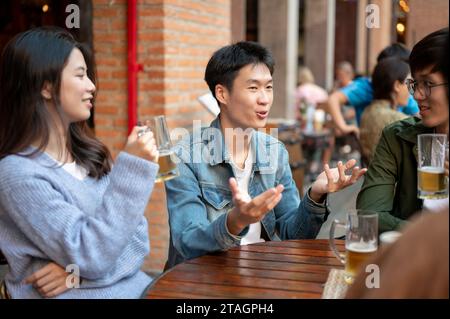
<point x="66" y="234"/>
<point x="296" y="219"/>
<point x="378" y="190"/>
<point x="192" y="233"/>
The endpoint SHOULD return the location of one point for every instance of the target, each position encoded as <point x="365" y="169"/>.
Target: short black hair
<point x="226" y="62"/>
<point x="431" y="51"/>
<point x="397" y="50"/>
<point x="386" y="72"/>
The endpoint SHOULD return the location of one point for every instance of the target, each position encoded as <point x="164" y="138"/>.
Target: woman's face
<point x="434" y="106"/>
<point x="401" y="93"/>
<point x="77" y="90"/>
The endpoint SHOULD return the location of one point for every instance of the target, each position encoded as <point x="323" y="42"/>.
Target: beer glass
<point x="431" y="181"/>
<point x="167" y="164"/>
<point x="361" y="241"/>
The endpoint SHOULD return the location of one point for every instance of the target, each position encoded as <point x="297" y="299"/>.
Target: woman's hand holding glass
<point x="141" y="143"/>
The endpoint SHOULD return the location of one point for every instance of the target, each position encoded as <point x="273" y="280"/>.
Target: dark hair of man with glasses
<point x="390" y="186"/>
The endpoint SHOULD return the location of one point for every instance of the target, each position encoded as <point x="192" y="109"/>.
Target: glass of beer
<point x="431" y="180"/>
<point x="361" y="241"/>
<point x="167" y="163"/>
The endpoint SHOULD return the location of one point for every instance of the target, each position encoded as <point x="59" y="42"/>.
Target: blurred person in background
<point x="344" y="74"/>
<point x="389" y="91"/>
<point x="307" y="94"/>
<point x="359" y="94"/>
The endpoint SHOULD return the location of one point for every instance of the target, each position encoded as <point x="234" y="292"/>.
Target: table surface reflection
<point x="276" y="269"/>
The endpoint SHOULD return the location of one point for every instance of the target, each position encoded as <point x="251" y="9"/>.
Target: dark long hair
<point x="398" y="50"/>
<point x="30" y="60"/>
<point x="386" y="72"/>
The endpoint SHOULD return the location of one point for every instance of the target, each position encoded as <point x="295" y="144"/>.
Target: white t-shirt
<point x="243" y="178"/>
<point x="75" y="170"/>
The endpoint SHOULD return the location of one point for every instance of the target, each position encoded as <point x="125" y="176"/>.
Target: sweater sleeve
<point x="50" y="220"/>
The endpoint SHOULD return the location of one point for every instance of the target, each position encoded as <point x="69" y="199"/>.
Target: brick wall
<point x="175" y="40"/>
<point x="110" y="47"/>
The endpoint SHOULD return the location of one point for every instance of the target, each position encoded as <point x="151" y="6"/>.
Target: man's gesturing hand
<point x="247" y="211"/>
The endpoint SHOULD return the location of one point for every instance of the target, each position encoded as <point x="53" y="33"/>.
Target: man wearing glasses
<point x="390" y="186"/>
<point x="422" y="86"/>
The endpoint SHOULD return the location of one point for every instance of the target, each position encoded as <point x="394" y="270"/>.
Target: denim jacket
<point x="199" y="199"/>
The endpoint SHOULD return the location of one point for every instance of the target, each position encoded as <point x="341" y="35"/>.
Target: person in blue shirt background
<point x="359" y="94"/>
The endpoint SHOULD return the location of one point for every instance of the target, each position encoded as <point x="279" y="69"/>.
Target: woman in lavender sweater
<point x="62" y="205"/>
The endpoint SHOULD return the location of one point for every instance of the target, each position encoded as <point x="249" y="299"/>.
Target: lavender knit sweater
<point x="48" y="215"/>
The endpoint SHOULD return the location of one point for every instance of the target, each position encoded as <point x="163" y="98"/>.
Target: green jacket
<point x="390" y="184"/>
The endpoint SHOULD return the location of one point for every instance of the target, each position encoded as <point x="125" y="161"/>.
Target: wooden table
<point x="286" y="269"/>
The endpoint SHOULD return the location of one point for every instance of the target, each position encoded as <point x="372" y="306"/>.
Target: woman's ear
<point x="46" y="91"/>
<point x="397" y="86"/>
<point x="221" y="94"/>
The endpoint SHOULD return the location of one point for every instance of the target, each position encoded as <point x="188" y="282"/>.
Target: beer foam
<point x="361" y="247"/>
<point x="432" y="169"/>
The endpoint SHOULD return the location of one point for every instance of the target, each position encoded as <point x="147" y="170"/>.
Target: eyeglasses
<point x="424" y="87"/>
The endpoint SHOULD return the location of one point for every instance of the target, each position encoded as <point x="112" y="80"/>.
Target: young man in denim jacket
<point x="235" y="185"/>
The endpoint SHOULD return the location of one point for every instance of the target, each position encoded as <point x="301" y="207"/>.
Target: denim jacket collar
<point x="260" y="144"/>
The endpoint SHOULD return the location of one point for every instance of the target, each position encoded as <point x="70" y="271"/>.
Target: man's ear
<point x="46" y="91"/>
<point x="221" y="94"/>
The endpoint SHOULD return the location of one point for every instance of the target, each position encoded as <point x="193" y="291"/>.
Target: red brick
<point x="152" y="86"/>
<point x="151" y="12"/>
<point x="106" y="61"/>
<point x="175" y="41"/>
<point x="150" y="36"/>
<point x="108" y="13"/>
<point x="106" y="133"/>
<point x="102" y="109"/>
